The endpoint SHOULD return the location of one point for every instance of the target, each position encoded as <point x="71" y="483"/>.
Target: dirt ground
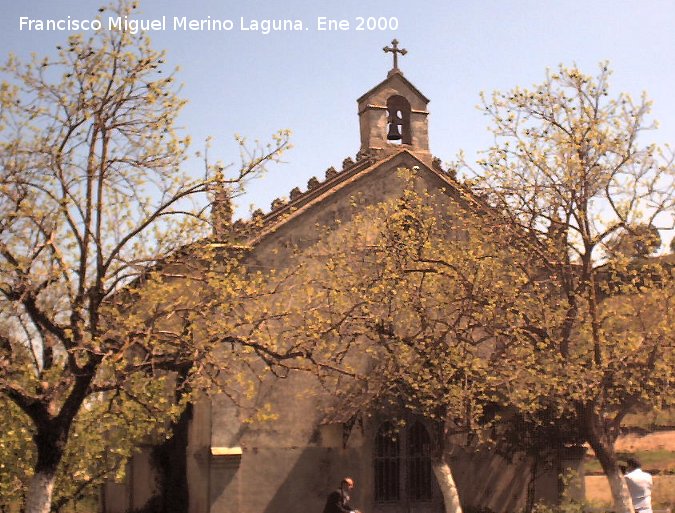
<point x="660" y="440"/>
<point x="663" y="494"/>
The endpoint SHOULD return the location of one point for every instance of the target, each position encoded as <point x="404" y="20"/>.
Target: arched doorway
<point x="403" y="479"/>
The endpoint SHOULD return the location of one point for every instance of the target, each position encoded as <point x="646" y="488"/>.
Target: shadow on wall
<point x="488" y="482"/>
<point x="288" y="479"/>
<point x="316" y="473"/>
<point x="269" y="479"/>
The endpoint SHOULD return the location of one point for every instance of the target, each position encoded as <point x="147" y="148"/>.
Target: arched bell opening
<point x="398" y="120"/>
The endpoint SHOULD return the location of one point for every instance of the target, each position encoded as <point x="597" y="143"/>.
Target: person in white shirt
<point x="639" y="486"/>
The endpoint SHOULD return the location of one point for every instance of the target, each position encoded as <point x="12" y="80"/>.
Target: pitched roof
<point x="336" y="181"/>
<point x="389" y="78"/>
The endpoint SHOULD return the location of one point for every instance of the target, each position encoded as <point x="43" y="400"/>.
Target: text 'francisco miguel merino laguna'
<point x="175" y="23"/>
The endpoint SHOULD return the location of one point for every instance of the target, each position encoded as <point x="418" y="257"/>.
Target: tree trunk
<point x="617" y="484"/>
<point x="447" y="484"/>
<point x="50" y="440"/>
<point x="170" y="461"/>
<point x="531" y="485"/>
<point x="620" y="494"/>
<point x="39" y="497"/>
<point x="604" y="451"/>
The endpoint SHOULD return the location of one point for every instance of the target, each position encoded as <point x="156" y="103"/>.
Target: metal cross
<point x="395" y="50"/>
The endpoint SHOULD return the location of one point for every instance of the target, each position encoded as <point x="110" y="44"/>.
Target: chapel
<point x="292" y="463"/>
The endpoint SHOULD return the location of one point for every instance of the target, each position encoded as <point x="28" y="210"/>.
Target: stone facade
<point x="292" y="463"/>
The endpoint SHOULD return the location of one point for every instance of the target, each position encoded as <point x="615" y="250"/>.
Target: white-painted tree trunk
<point x="447" y="485"/>
<point x="39" y="498"/>
<point x="620" y="494"/>
<point x="604" y="451"/>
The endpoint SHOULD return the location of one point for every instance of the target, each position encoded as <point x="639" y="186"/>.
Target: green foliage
<point x="464" y="317"/>
<point x="567" y="504"/>
<point x="16" y="453"/>
<point x="567" y="171"/>
<point x="96" y="213"/>
<point x="638" y="241"/>
<point x="503" y="296"/>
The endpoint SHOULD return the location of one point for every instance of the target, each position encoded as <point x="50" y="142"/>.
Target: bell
<point x="394" y="133"/>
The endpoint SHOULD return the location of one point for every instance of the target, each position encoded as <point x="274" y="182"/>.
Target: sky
<point x="251" y="83"/>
